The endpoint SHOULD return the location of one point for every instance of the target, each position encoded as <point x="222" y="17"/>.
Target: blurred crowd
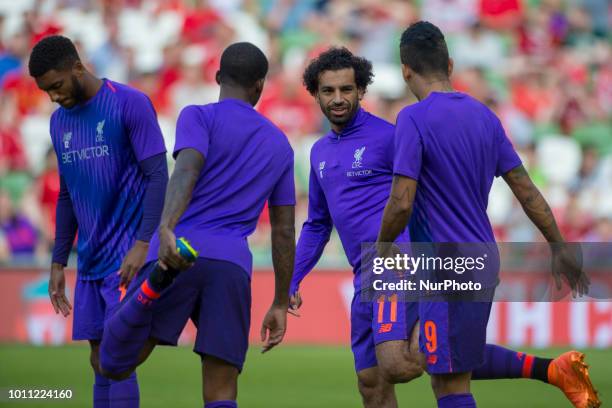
<point x="544" y="66"/>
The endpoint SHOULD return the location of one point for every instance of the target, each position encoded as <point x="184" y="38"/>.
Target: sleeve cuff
<point x="509" y="168"/>
<point x="404" y="173"/>
<point x="196" y="148"/>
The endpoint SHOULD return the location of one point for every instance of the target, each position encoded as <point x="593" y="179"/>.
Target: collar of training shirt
<point x="353" y="126"/>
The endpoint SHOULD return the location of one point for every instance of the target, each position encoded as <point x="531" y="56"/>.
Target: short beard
<point x="351" y="114"/>
<point x="78" y="91"/>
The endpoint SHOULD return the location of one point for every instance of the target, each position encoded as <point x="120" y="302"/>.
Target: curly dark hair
<point x="53" y="52"/>
<point x="334" y="59"/>
<point x="423" y="49"/>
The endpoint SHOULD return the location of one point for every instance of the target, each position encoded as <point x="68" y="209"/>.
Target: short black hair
<point x="53" y="52"/>
<point x="335" y="59"/>
<point x="423" y="49"/>
<point x="242" y="64"/>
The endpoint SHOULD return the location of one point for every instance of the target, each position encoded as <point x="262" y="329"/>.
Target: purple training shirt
<point x="248" y="161"/>
<point x="350" y="180"/>
<point x="99" y="146"/>
<point x="454" y="146"/>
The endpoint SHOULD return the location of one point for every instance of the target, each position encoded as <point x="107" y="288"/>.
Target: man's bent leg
<point x="128" y="329"/>
<point x="143" y="354"/>
<point x="568" y="372"/>
<point x="146" y="314"/>
<point x="500" y="362"/>
<point x="123" y="390"/>
<point x="396" y="334"/>
<point x="396" y="363"/>
<point x="375" y="391"/>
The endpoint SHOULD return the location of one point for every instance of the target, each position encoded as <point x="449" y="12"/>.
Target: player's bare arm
<point x="282" y="220"/>
<point x="189" y="164"/>
<point x="539" y="212"/>
<point x="398" y="209"/>
<point x="533" y="203"/>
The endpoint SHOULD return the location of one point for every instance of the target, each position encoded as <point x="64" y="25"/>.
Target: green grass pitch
<point x="288" y="377"/>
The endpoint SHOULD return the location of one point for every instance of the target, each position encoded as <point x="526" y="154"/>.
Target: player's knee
<point x="368" y="383"/>
<point x="106" y="370"/>
<point x="110" y="368"/>
<point x="116" y="375"/>
<point x="401" y="371"/>
<point x="374" y="390"/>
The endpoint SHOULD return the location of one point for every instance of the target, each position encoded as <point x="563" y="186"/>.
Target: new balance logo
<point x="66" y="139"/>
<point x="385" y="328"/>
